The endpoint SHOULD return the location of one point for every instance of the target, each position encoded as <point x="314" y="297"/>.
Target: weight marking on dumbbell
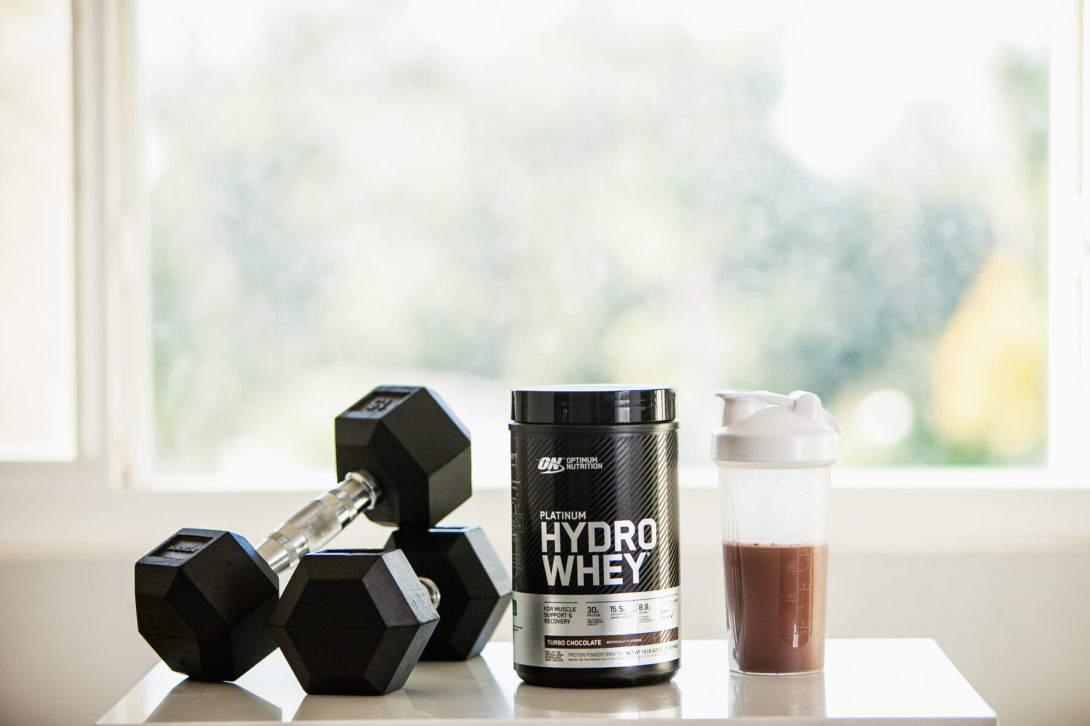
<point x="181" y="548"/>
<point x="379" y="402"/>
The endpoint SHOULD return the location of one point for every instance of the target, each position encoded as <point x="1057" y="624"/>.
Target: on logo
<point x="550" y="464"/>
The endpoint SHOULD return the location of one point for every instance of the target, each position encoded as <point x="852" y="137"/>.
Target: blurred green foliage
<point x="596" y="199"/>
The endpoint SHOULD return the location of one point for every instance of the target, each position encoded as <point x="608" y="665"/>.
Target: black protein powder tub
<point x="594" y="525"/>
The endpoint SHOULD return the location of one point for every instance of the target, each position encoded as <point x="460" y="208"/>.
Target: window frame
<point x="114" y="362"/>
<point x="109" y="286"/>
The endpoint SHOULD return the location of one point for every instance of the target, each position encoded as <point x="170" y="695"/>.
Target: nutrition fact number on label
<point x="594" y="630"/>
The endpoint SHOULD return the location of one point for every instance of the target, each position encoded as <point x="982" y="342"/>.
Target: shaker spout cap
<point x="765" y="428"/>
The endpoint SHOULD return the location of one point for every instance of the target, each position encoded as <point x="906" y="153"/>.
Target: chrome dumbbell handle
<point x="432" y="590"/>
<point x="319" y="521"/>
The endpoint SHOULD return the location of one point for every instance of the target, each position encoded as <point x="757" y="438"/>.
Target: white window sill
<point x="45" y="521"/>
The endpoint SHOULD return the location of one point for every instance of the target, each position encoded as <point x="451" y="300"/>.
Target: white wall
<point x="1013" y="619"/>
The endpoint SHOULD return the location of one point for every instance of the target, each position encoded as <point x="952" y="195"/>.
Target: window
<point x="865" y="202"/>
<point x="37" y="351"/>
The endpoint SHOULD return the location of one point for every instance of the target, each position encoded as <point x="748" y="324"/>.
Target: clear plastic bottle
<point x="774" y="454"/>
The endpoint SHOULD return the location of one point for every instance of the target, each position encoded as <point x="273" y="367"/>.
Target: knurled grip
<point x="319" y="521"/>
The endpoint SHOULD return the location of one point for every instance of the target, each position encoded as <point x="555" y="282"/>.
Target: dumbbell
<point x="203" y="597"/>
<point x="357" y="621"/>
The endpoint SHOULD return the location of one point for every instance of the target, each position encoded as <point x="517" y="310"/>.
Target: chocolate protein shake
<point x="776" y="606"/>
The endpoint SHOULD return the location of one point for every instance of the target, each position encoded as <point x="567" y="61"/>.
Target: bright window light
<point x="842" y="197"/>
<point x="37" y="268"/>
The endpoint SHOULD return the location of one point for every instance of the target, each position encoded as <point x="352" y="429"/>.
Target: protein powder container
<point x="594" y="525"/>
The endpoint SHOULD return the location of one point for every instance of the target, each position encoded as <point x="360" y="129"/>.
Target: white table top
<point x="902" y="681"/>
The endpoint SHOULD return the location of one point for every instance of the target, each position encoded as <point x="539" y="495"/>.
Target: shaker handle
<point x="738" y="405"/>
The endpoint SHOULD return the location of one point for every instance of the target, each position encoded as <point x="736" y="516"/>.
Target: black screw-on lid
<point x="593" y="404"/>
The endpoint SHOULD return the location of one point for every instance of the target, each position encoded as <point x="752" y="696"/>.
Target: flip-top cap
<point x="762" y="428"/>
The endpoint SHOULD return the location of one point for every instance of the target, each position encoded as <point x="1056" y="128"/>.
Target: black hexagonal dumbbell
<point x="334" y="627"/>
<point x="203" y="596"/>
<point x="408" y="436"/>
<point x="353" y="621"/>
<point x="472" y="579"/>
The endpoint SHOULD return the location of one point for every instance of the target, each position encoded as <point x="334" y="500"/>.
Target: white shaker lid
<point x="762" y="428"/>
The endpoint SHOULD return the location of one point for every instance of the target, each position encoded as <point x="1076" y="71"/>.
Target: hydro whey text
<point x="594" y="507"/>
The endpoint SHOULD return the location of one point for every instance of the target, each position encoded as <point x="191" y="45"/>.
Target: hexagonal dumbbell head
<point x="414" y="446"/>
<point x="473" y="584"/>
<point x="202" y="601"/>
<point x="353" y="621"/>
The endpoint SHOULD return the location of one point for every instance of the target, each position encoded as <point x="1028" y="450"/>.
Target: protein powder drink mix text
<point x="594" y="507"/>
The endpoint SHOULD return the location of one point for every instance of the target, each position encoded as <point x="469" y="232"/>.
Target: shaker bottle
<point x="774" y="454"/>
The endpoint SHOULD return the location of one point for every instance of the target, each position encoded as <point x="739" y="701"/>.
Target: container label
<point x="575" y="631"/>
<point x="595" y="549"/>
